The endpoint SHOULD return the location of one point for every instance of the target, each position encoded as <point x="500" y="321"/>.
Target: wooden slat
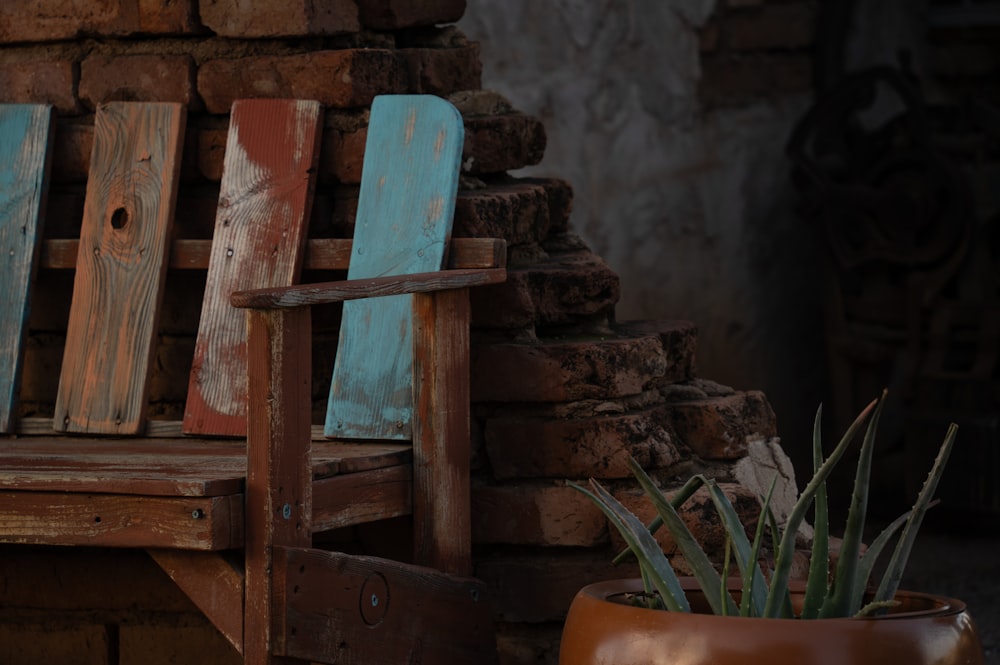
<point x="260" y="231"/>
<point x="212" y="583"/>
<point x="321" y="253"/>
<point x="157" y="467"/>
<point x="128" y="213"/>
<point x="356" y="498"/>
<point x="441" y="501"/>
<point x="165" y="467"/>
<point x="405" y="211"/>
<point x="354" y="610"/>
<point x="376" y="287"/>
<point x="279" y="478"/>
<point x="108" y="520"/>
<point x="25" y="148"/>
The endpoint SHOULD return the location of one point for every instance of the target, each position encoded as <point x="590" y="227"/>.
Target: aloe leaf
<point x="783" y="561"/>
<point x="746" y="560"/>
<point x="818" y="584"/>
<point x="748" y="603"/>
<point x="678" y="499"/>
<point x="723" y="591"/>
<point x="871" y="556"/>
<point x="783" y="606"/>
<point x="894" y="572"/>
<point x="701" y="566"/>
<point x="874" y="607"/>
<point x="642" y="544"/>
<point x="842" y="590"/>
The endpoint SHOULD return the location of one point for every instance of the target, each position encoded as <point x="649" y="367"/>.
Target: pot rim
<point x="936" y="605"/>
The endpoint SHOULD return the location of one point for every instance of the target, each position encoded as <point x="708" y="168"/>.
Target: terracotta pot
<point x="926" y="629"/>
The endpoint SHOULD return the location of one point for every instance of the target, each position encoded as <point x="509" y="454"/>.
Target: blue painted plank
<point x="405" y="211"/>
<point x="25" y="150"/>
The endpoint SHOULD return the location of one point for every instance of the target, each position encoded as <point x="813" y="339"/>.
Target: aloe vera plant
<point x="837" y="593"/>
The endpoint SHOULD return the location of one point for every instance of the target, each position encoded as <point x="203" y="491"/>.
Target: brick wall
<point x="560" y="388"/>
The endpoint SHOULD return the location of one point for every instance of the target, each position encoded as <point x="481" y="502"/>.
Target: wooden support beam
<point x="441" y="503"/>
<point x="355" y="498"/>
<point x="354" y="610"/>
<point x="212" y="583"/>
<point x="321" y="253"/>
<point x="279" y="470"/>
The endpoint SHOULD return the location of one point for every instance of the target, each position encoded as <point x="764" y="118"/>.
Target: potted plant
<point x="747" y="617"/>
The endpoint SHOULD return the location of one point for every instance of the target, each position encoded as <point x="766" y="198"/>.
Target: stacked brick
<point x="560" y="389"/>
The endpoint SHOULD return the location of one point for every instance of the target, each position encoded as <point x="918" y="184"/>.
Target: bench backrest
<point x="403" y="226"/>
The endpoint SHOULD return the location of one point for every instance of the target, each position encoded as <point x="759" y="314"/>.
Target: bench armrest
<point x="328" y="292"/>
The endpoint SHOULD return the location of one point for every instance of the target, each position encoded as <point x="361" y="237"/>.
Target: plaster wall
<point x="691" y="205"/>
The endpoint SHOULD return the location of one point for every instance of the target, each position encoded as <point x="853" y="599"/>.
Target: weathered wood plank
<point x="354" y="610"/>
<point x="376" y="287"/>
<point x="212" y="583"/>
<point x="260" y="231"/>
<point x="321" y="253"/>
<point x="279" y="478"/>
<point x="108" y="520"/>
<point x="128" y="214"/>
<point x="405" y="211"/>
<point x="441" y="502"/>
<point x="25" y="149"/>
<point x="165" y="467"/>
<point x="367" y="496"/>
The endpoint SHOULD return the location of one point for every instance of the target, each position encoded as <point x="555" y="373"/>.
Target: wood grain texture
<point x="109" y="520"/>
<point x="355" y="610"/>
<point x="367" y="496"/>
<point x="376" y="287"/>
<point x="128" y="214"/>
<point x="260" y="231"/>
<point x="405" y="211"/>
<point x="165" y="466"/>
<point x="25" y="149"/>
<point x="321" y="253"/>
<point x="212" y="583"/>
<point x="279" y="478"/>
<point x="441" y="485"/>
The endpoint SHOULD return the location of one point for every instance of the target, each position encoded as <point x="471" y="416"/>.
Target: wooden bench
<point x="247" y="470"/>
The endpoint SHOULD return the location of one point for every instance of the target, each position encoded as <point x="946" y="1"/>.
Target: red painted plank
<point x="128" y="214"/>
<point x="260" y="232"/>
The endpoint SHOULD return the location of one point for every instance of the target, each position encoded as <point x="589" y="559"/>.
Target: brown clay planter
<point x="926" y="629"/>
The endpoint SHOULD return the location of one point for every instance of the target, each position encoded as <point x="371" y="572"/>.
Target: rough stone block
<point x="346" y="78"/>
<point x="564" y="371"/>
<point x="495" y="144"/>
<point x="700" y="517"/>
<point x="74" y="142"/>
<point x="546" y="446"/>
<point x="40" y="82"/>
<point x="442" y="71"/>
<point x="279" y="18"/>
<point x="535" y="514"/>
<point x="719" y="428"/>
<point x="57" y="20"/>
<point x="146" y="78"/>
<point x="395" y="14"/>
<point x="680" y="342"/>
<point x="517" y="212"/>
<point x="343" y="155"/>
